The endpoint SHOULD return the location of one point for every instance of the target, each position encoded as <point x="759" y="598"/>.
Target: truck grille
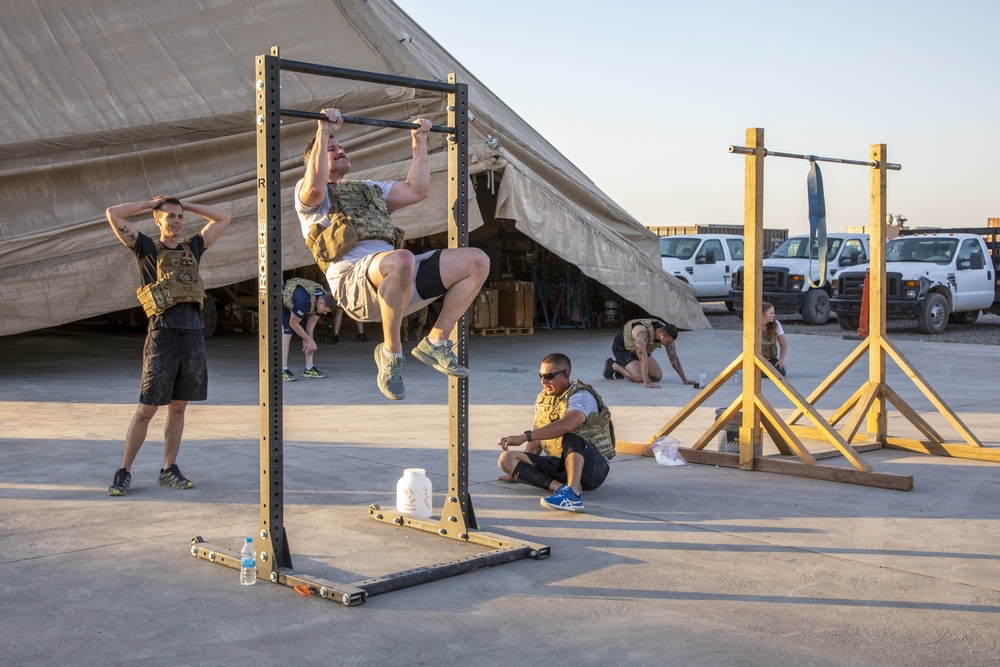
<point x="851" y="285"/>
<point x="772" y="280"/>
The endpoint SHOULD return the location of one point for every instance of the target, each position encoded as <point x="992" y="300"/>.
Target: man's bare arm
<point x="417" y="184"/>
<point x="118" y="218"/>
<point x="317" y="172"/>
<point x="675" y="361"/>
<point x="218" y="220"/>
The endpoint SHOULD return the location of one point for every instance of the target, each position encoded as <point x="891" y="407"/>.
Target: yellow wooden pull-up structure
<point x="867" y="404"/>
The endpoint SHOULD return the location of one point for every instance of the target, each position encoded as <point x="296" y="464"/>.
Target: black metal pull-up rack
<point x="457" y="520"/>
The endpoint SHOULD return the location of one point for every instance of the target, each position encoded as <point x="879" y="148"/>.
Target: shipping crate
<point x="484" y="312"/>
<point x="516" y="303"/>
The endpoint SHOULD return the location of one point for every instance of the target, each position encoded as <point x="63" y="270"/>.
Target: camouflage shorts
<point x="174" y="367"/>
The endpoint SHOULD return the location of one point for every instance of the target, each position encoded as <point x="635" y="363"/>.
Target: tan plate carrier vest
<point x="598" y="429"/>
<point x="768" y="346"/>
<point x="358" y="212"/>
<point x="315" y="291"/>
<point x="177" y="280"/>
<point x="651" y="345"/>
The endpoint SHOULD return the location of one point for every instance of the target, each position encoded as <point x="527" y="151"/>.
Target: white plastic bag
<point x="665" y="451"/>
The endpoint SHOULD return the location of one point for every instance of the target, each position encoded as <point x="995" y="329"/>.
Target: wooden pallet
<point x="503" y="331"/>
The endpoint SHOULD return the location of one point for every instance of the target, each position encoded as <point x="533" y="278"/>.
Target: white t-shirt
<point x="583" y="401"/>
<point x="317" y="215"/>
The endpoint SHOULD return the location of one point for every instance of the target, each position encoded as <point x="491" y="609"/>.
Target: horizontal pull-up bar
<point x="370" y="77"/>
<point x="360" y="120"/>
<point x="745" y="150"/>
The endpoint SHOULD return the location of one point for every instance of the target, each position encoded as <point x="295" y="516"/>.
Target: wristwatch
<point x="527" y="434"/>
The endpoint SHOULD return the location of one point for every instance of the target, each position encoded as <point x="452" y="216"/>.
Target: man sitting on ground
<point x="569" y="449"/>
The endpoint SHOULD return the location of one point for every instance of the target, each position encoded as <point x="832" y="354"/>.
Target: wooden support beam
<point x="633" y="448"/>
<point x="810" y="433"/>
<point x="847" y="406"/>
<point x="780" y="432"/>
<point x="824" y="472"/>
<point x="797" y="399"/>
<point x="975" y="453"/>
<point x="911" y="415"/>
<point x="834" y="453"/>
<point x="929" y="392"/>
<point x="836" y="474"/>
<point x="700" y="398"/>
<point x="870" y="394"/>
<point x="720" y="459"/>
<point x="831" y="380"/>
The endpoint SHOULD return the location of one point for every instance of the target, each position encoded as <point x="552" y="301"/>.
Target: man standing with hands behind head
<point x="569" y="448"/>
<point x="174" y="368"/>
<point x="347" y="227"/>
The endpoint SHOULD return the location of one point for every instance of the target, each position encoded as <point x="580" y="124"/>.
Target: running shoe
<point x="390" y="374"/>
<point x="172" y="477"/>
<point x="121" y="483"/>
<point x="440" y="357"/>
<point x="564" y="499"/>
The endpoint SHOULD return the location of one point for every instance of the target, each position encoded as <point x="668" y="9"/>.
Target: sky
<point x="645" y="97"/>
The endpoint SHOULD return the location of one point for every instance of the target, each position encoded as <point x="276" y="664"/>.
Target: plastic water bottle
<point x="248" y="564"/>
<point x="701" y="380"/>
<point x="414" y="494"/>
<point x="738" y="378"/>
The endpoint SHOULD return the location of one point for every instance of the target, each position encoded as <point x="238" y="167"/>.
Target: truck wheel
<point x="933" y="317"/>
<point x="848" y="322"/>
<point x="968" y="317"/>
<point x="729" y="306"/>
<point x="816" y="309"/>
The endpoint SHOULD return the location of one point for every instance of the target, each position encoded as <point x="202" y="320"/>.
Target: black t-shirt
<point x="186" y="315"/>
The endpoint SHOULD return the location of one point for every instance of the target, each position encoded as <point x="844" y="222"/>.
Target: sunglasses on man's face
<point x="552" y="375"/>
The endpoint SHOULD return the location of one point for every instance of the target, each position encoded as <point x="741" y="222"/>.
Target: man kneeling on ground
<point x="573" y="438"/>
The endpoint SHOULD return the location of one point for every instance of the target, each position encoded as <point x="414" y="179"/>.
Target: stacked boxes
<point x="483" y="313"/>
<point x="516" y="303"/>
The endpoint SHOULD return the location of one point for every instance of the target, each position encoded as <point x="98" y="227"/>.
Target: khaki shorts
<point x="358" y="296"/>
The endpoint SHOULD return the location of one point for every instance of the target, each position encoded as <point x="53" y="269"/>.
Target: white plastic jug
<point x="414" y="494"/>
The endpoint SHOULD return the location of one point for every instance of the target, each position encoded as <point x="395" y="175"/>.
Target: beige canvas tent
<point x="109" y="101"/>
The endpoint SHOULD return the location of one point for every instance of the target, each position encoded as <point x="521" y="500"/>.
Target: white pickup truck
<point x="784" y="271"/>
<point x="930" y="276"/>
<point x="704" y="261"/>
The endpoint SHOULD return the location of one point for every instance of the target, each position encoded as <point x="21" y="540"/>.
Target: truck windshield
<point x="798" y="247"/>
<point x="680" y="248"/>
<point x="920" y="249"/>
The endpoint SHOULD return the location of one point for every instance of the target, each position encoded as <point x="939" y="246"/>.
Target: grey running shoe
<point x="313" y="373"/>
<point x="288" y="376"/>
<point x="390" y="375"/>
<point x="121" y="483"/>
<point x="440" y="357"/>
<point x="172" y="477"/>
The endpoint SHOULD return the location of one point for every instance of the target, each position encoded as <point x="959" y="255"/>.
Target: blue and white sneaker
<point x="564" y="499"/>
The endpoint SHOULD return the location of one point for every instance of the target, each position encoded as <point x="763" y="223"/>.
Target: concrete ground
<point x="687" y="565"/>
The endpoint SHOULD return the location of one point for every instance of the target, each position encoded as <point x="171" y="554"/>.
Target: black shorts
<point x="595" y="466"/>
<point x="427" y="280"/>
<point x="622" y="356"/>
<point x="174" y="367"/>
